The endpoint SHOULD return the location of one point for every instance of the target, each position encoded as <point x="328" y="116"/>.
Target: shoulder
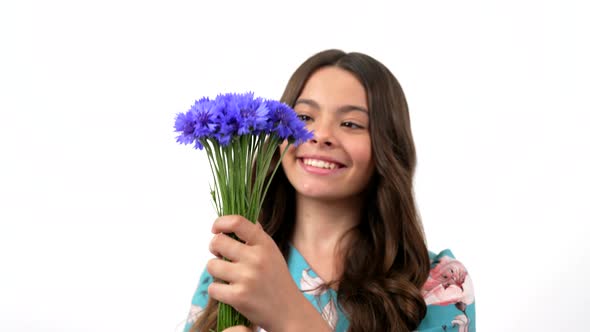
<point x="448" y="292"/>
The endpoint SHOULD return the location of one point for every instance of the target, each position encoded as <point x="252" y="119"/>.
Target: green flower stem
<point x="221" y="176"/>
<point x="215" y="171"/>
<point x="240" y="172"/>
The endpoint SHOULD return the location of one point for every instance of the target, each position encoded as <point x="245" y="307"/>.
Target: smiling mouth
<point x="320" y="163"/>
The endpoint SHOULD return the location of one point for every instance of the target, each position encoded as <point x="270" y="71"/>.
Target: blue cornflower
<point x="205" y="118"/>
<point x="280" y="119"/>
<point x="197" y="123"/>
<point x="301" y="134"/>
<point x="253" y="114"/>
<point x="227" y="116"/>
<point x="283" y="121"/>
<point x="185" y="124"/>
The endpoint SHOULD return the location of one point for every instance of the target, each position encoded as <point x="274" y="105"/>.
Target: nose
<point x="322" y="134"/>
<point x="321" y="141"/>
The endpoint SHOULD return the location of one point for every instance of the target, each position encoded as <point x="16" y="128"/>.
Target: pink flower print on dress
<point x="194" y="313"/>
<point x="311" y="285"/>
<point x="330" y="314"/>
<point x="462" y="322"/>
<point x="447" y="272"/>
<point x="448" y="283"/>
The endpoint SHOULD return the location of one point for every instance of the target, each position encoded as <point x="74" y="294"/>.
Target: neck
<point x="320" y="224"/>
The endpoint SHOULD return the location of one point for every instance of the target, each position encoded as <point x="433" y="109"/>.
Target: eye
<point x="351" y="125"/>
<point x="304" y="117"/>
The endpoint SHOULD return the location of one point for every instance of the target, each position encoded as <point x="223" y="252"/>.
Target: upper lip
<point x="322" y="158"/>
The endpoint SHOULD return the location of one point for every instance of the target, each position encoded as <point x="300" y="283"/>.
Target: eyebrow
<point x="343" y="109"/>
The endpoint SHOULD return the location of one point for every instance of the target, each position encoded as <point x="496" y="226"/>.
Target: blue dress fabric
<point x="448" y="294"/>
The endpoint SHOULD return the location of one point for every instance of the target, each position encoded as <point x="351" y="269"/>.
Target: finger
<point x="223" y="245"/>
<point x="225" y="293"/>
<point x="240" y="328"/>
<point x="243" y="228"/>
<point x="223" y="270"/>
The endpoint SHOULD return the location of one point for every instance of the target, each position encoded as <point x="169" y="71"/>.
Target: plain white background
<point x="104" y="219"/>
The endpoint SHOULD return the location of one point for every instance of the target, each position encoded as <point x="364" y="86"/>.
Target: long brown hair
<point x="386" y="262"/>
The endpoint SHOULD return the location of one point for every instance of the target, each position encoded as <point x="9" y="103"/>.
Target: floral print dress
<point x="448" y="294"/>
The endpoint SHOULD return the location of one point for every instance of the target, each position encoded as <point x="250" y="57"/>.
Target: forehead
<point x="333" y="86"/>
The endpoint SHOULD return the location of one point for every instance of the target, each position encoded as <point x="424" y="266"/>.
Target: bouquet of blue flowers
<point x="240" y="134"/>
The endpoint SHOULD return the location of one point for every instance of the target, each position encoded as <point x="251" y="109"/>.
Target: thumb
<point x="239" y="328"/>
<point x="259" y="225"/>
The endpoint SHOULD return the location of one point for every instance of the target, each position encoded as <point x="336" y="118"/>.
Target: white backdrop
<point x="104" y="219"/>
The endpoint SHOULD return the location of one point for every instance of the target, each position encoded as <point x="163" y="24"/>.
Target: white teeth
<point x="319" y="163"/>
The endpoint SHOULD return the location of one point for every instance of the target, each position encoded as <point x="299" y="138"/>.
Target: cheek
<point x="283" y="146"/>
<point x="362" y="155"/>
<point x="288" y="156"/>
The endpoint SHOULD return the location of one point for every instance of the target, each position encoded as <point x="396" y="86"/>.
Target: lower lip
<point x="318" y="170"/>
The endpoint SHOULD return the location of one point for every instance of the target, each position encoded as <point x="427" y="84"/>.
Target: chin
<point x="321" y="193"/>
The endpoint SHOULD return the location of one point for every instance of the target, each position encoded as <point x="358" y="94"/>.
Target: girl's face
<point x="337" y="162"/>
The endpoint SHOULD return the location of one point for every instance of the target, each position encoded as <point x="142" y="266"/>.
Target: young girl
<point x="339" y="245"/>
